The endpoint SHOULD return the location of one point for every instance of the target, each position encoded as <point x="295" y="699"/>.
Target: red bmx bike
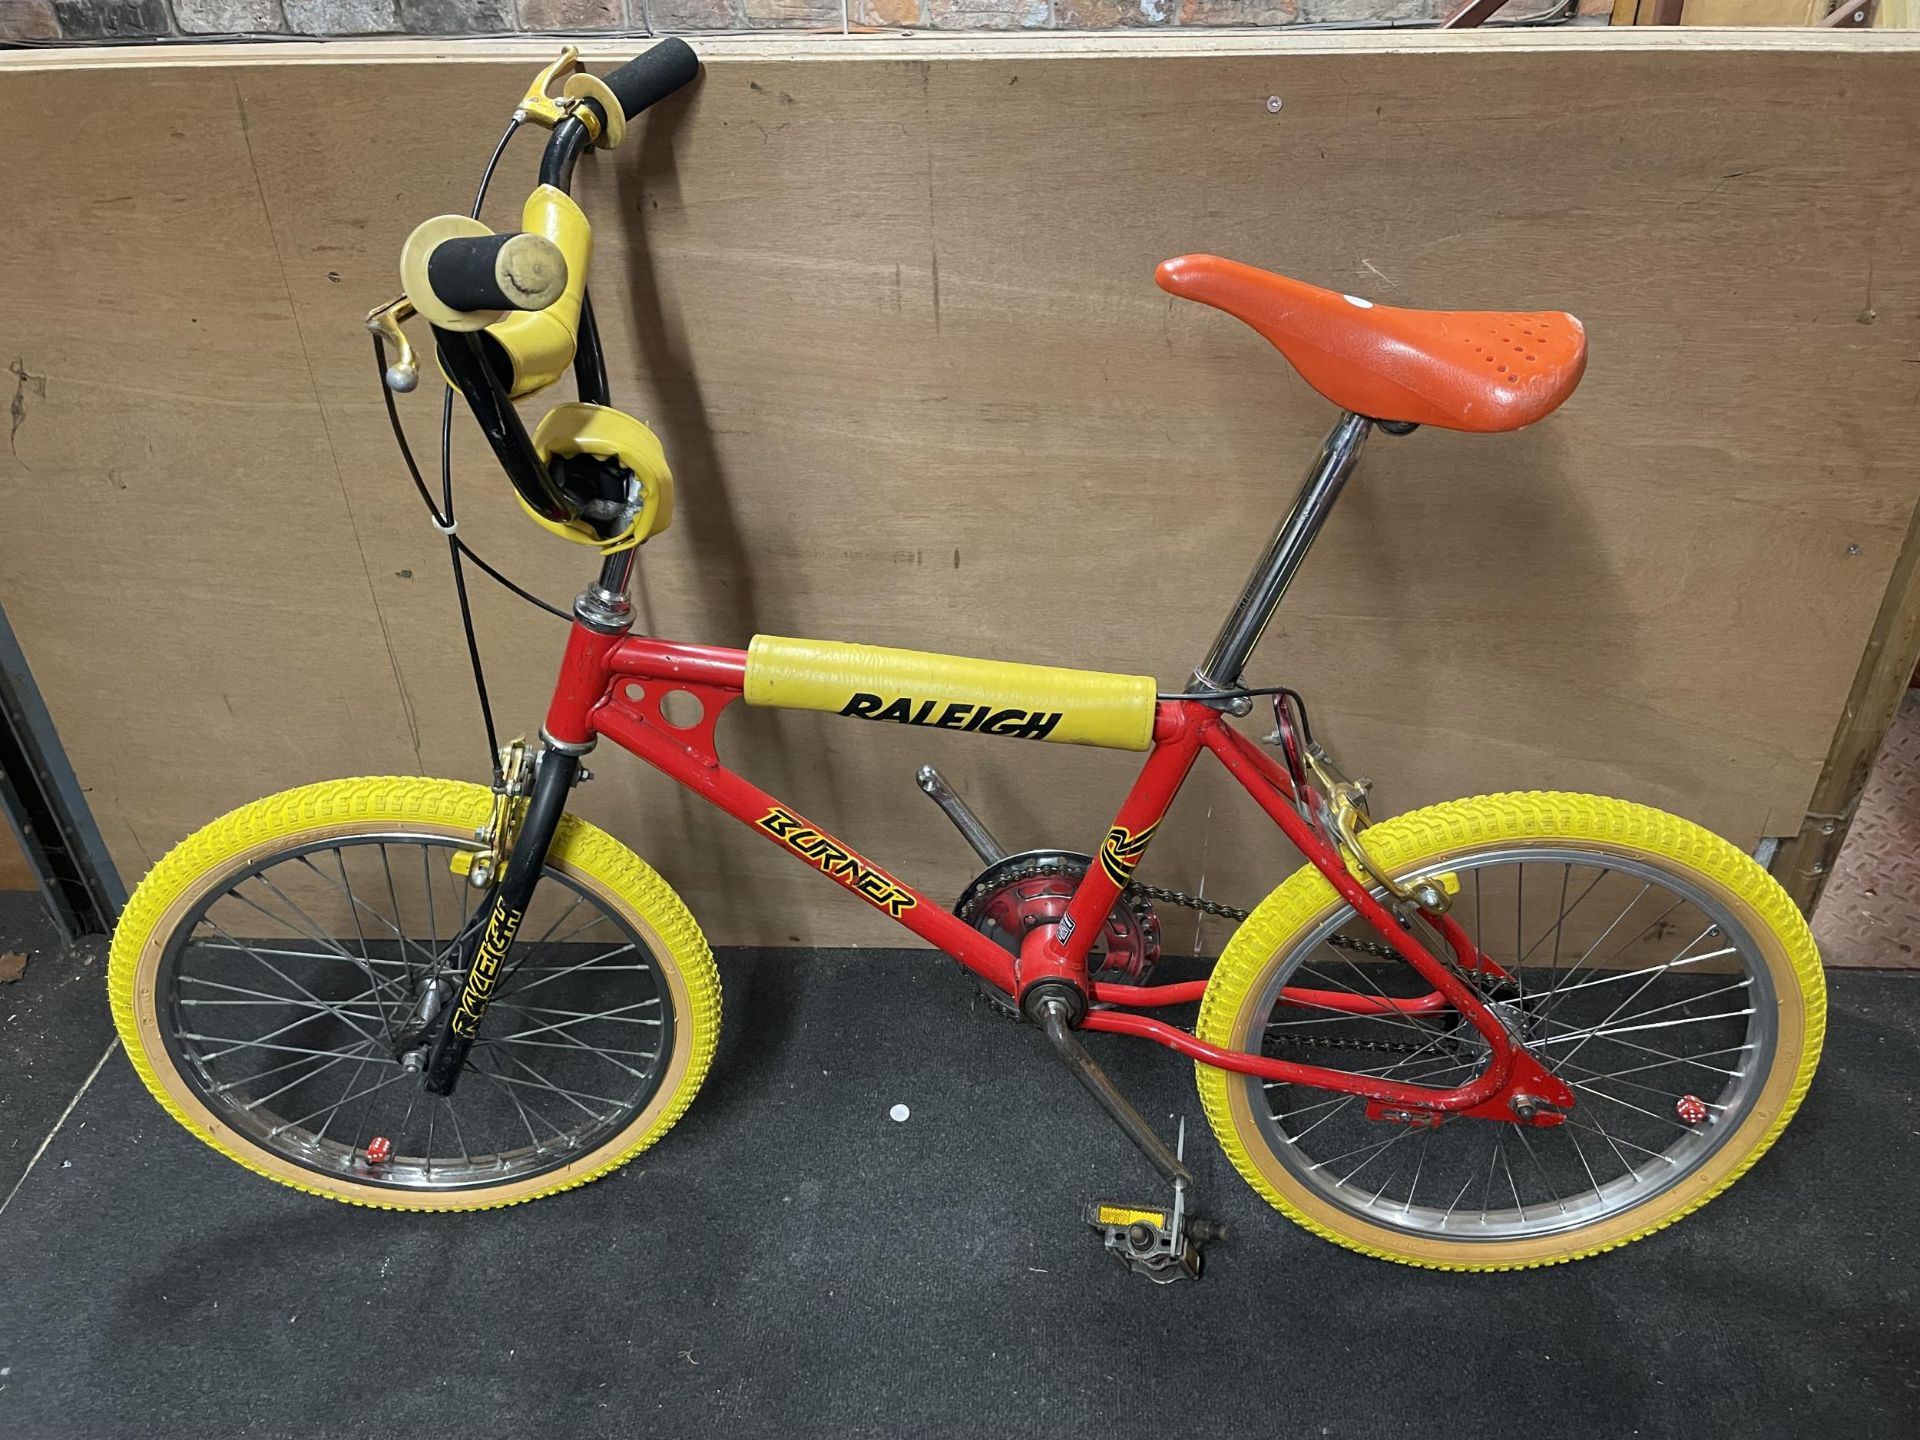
<point x="1494" y="1033"/>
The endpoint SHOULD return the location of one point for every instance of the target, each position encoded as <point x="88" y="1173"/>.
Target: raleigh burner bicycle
<point x="1491" y="1034"/>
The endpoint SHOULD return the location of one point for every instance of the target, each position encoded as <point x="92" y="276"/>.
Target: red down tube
<point x="686" y="755"/>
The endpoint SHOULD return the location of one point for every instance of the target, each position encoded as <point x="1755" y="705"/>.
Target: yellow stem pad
<point x="951" y="692"/>
<point x="540" y="343"/>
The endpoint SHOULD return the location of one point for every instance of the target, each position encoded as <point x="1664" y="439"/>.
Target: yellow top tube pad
<point x="950" y="692"/>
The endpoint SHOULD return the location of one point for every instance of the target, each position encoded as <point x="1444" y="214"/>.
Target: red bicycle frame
<point x="616" y="685"/>
<point x="613" y="684"/>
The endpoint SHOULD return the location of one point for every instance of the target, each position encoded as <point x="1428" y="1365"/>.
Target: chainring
<point x="1022" y="892"/>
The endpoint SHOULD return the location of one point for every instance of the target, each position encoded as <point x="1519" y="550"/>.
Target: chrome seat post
<point x="1275" y="570"/>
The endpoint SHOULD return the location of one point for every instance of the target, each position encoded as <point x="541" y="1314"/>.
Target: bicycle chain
<point x="1339" y="942"/>
<point x="1231" y="912"/>
<point x="1140" y="891"/>
<point x="1383" y="1047"/>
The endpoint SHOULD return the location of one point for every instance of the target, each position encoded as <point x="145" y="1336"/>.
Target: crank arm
<point x="1088" y="1072"/>
<point x="990" y="850"/>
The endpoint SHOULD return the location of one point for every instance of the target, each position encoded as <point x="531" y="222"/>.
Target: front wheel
<point x="269" y="976"/>
<point x="1655" y="968"/>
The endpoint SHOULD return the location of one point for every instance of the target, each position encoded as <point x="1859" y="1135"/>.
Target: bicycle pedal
<point x="1152" y="1241"/>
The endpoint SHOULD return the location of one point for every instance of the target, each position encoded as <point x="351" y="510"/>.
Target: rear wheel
<point x="1655" y="968"/>
<point x="270" y="976"/>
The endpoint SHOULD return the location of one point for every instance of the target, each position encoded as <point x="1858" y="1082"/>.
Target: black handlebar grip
<point x="497" y="272"/>
<point x="653" y="75"/>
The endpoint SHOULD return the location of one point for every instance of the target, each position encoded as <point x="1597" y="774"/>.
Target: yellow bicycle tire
<point x="1420" y="839"/>
<point x="342" y="808"/>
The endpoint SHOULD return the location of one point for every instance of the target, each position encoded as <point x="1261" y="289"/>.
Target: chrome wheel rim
<point x="1665" y="1001"/>
<point x="286" y="994"/>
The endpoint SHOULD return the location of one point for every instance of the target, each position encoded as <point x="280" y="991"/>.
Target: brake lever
<point x="606" y="125"/>
<point x="403" y="374"/>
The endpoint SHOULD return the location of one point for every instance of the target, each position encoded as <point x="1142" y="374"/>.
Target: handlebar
<point x="541" y="269"/>
<point x="653" y="75"/>
<point x="497" y="272"/>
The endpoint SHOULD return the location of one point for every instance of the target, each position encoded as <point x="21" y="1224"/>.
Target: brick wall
<point x="130" y="19"/>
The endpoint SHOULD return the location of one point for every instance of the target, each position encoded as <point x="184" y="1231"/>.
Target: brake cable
<point x="442" y="514"/>
<point x="441" y="522"/>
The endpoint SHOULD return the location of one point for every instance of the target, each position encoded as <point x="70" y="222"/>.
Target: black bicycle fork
<point x="1162" y="1243"/>
<point x="483" y="957"/>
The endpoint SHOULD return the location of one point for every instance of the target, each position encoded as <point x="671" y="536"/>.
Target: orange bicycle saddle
<point x="1480" y="370"/>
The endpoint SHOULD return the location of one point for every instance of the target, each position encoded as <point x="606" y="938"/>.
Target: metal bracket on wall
<point x="46" y="809"/>
<point x="1852" y="17"/>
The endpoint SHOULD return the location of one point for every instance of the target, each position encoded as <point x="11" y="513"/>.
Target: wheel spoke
<point x="313" y="1076"/>
<point x="1592" y="1179"/>
<point x="1585" y="1035"/>
<point x="1545" y="1179"/>
<point x="306" y="994"/>
<point x="567" y="1043"/>
<point x="526" y="1109"/>
<point x="262" y="1042"/>
<point x="459" y="1138"/>
<point x="1641" y="988"/>
<point x="1596" y="963"/>
<point x="576" y="1098"/>
<point x="400" y="982"/>
<point x="353" y="908"/>
<point x="566" y="970"/>
<point x="1619" y="975"/>
<point x="356" y="961"/>
<point x="1500" y="1144"/>
<point x="331" y="1110"/>
<point x="1553" y="1001"/>
<point x="1668" y="1057"/>
<point x="1426" y="1141"/>
<point x="352" y="1080"/>
<point x="1676" y="1060"/>
<point x="393" y="894"/>
<point x="1377" y="1151"/>
<point x="1598" y="1129"/>
<point x="576" y="1017"/>
<point x="426" y="879"/>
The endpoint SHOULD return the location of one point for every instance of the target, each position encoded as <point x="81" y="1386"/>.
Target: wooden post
<point x="1647" y="12"/>
<point x="1804" y="862"/>
<point x="1473" y="14"/>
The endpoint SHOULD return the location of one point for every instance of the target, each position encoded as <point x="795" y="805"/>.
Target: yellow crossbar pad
<point x="951" y="692"/>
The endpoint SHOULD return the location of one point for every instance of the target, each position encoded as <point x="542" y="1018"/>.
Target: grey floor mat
<point x="791" y="1262"/>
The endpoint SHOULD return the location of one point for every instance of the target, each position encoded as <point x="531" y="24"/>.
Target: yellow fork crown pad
<point x="952" y="692"/>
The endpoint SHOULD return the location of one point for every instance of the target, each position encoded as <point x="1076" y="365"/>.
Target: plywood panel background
<point x="891" y="307"/>
<point x="15" y="873"/>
